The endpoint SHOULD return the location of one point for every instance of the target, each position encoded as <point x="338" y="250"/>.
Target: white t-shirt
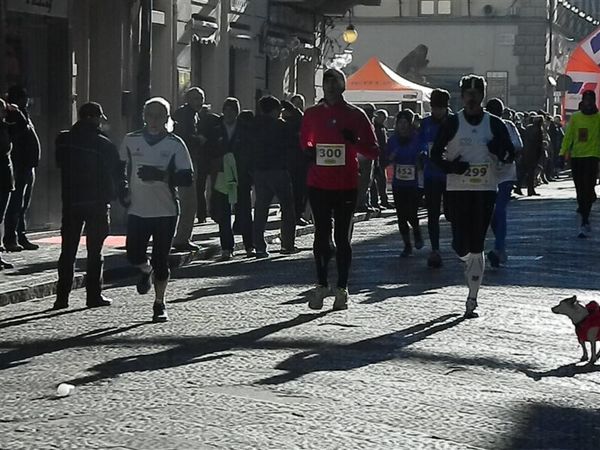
<point x="154" y="198"/>
<point x="470" y="143"/>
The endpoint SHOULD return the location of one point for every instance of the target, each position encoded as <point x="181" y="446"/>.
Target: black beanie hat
<point x="406" y="114"/>
<point x="337" y="75"/>
<point x="472" y="82"/>
<point x="439" y="98"/>
<point x="16" y="93"/>
<point x="589" y="93"/>
<point x="495" y="106"/>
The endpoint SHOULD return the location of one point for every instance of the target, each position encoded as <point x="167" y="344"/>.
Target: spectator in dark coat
<point x="297" y="163"/>
<point x="556" y="134"/>
<point x="92" y="176"/>
<point x="186" y="127"/>
<point x="25" y="158"/>
<point x="271" y="177"/>
<point x="231" y="136"/>
<point x="379" y="196"/>
<point x="533" y="149"/>
<point x="193" y="123"/>
<point x="12" y="122"/>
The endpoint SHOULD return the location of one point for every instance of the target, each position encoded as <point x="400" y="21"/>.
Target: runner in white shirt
<point x="157" y="162"/>
<point x="468" y="147"/>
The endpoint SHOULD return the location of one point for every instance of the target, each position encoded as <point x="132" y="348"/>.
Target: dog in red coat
<point x="587" y="323"/>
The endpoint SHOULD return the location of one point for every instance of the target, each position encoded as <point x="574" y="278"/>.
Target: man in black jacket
<point x="232" y="136"/>
<point x="25" y="158"/>
<point x="205" y="123"/>
<point x="271" y="177"/>
<point x="297" y="163"/>
<point x="192" y="124"/>
<point x="10" y="118"/>
<point x="92" y="175"/>
<point x="379" y="184"/>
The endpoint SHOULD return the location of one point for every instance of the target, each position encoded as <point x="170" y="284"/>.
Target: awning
<point x="376" y="82"/>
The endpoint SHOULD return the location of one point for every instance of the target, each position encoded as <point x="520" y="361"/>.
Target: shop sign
<point x="55" y="8"/>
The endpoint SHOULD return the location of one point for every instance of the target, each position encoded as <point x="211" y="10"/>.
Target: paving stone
<point x="245" y="364"/>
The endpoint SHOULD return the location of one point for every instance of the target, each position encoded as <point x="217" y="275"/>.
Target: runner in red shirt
<point x="333" y="134"/>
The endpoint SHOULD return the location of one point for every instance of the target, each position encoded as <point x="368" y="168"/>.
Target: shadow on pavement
<point x="531" y="235"/>
<point x="457" y="363"/>
<point x="568" y="370"/>
<point x="191" y="351"/>
<point x="546" y="426"/>
<point x="361" y="353"/>
<point x="47" y="313"/>
<point x="303" y="297"/>
<point x="538" y="238"/>
<point x="245" y="274"/>
<point x="34" y="268"/>
<point x="31" y="349"/>
<point x="21" y="316"/>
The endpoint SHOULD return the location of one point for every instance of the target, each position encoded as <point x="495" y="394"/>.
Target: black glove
<point x="457" y="166"/>
<point x="311" y="154"/>
<point x="349" y="136"/>
<point x="495" y="148"/>
<point x="150" y="173"/>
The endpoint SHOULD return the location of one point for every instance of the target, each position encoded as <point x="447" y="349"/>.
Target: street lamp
<point x="350" y="35"/>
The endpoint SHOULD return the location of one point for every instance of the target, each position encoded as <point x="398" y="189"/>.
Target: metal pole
<point x="145" y="59"/>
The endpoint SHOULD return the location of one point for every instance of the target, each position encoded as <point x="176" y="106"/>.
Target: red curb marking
<point x="110" y="241"/>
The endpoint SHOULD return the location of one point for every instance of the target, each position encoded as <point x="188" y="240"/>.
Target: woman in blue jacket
<point x="402" y="152"/>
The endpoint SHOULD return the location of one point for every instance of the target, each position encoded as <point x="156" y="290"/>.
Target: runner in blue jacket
<point x="435" y="178"/>
<point x="402" y="152"/>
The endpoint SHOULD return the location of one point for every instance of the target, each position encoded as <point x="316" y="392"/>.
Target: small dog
<point x="587" y="323"/>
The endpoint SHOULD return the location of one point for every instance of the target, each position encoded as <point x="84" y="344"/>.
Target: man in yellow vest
<point x="582" y="144"/>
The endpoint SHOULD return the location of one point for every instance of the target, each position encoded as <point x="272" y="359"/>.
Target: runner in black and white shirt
<point x="468" y="148"/>
<point x="157" y="162"/>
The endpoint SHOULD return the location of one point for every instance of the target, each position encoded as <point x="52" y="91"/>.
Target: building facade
<point x="520" y="46"/>
<point x="68" y="52"/>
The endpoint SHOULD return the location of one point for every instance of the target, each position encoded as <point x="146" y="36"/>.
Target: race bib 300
<point x="331" y="155"/>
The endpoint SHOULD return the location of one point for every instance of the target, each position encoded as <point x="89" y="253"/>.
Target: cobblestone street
<point x="244" y="363"/>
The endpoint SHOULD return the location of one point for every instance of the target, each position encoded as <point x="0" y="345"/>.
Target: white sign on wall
<point x="55" y="8"/>
<point x="497" y="85"/>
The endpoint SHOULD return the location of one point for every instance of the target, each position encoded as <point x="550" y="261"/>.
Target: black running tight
<point x="339" y="205"/>
<point x="585" y="172"/>
<point x="470" y="215"/>
<point x="435" y="190"/>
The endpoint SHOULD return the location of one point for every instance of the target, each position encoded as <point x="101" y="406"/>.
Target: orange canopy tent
<point x="377" y="83"/>
<point x="584" y="69"/>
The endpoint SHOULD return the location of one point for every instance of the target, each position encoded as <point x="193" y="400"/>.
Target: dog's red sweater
<point x="591" y="321"/>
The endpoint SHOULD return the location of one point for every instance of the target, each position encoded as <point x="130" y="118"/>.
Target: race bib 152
<point x="405" y="172"/>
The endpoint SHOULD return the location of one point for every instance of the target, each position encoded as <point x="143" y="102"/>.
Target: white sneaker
<point x="317" y="296"/>
<point x="341" y="299"/>
<point x="471" y="305"/>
